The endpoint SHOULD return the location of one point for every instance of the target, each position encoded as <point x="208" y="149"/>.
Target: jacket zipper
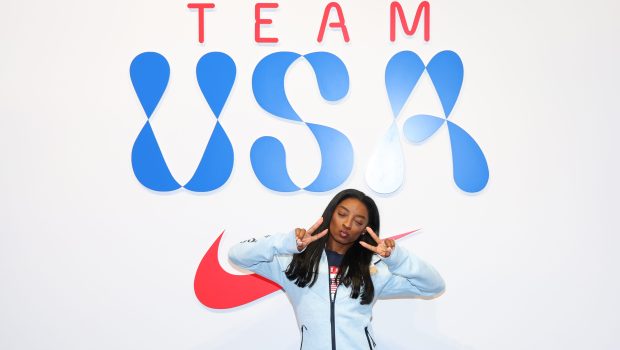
<point x="371" y="342"/>
<point x="302" y="336"/>
<point x="332" y="317"/>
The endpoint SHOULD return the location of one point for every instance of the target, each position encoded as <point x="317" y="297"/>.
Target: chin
<point x="344" y="241"/>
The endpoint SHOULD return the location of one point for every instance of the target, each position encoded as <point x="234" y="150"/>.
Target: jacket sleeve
<point x="410" y="276"/>
<point x="263" y="255"/>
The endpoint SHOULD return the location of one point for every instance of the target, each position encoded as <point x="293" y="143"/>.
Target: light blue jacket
<point x="400" y="275"/>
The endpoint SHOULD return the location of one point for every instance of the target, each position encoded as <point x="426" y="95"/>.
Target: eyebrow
<point x="347" y="209"/>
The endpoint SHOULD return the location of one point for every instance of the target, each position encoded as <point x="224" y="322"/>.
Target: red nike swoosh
<point x="217" y="289"/>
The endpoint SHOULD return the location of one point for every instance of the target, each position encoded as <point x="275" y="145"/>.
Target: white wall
<point x="91" y="259"/>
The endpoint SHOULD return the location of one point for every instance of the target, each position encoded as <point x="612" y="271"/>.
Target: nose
<point x="347" y="223"/>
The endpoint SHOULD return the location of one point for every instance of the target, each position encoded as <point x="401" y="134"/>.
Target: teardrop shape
<point x="216" y="74"/>
<point x="336" y="158"/>
<point x="149" y="72"/>
<point x="148" y="163"/>
<point x="331" y="75"/>
<point x="268" y="158"/>
<point x="420" y="127"/>
<point x="216" y="164"/>
<point x="401" y="75"/>
<point x="386" y="168"/>
<point x="268" y="84"/>
<point x="469" y="166"/>
<point x="446" y="72"/>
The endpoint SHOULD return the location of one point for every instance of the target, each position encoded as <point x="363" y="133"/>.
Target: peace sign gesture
<point x="384" y="246"/>
<point x="305" y="237"/>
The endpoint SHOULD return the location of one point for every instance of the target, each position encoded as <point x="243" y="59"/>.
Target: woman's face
<point x="347" y="224"/>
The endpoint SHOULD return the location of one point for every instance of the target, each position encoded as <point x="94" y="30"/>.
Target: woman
<point x="335" y="271"/>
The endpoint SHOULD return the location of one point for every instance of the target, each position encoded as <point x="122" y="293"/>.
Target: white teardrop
<point x="386" y="168"/>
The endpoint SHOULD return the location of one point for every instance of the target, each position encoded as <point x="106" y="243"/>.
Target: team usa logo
<point x="216" y="73"/>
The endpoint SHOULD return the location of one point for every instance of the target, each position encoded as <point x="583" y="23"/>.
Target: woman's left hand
<point x="384" y="246"/>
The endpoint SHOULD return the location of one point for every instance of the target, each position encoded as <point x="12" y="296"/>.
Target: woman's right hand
<point x="305" y="237"/>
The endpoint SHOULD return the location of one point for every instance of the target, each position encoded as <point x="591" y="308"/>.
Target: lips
<point x="217" y="289"/>
<point x="344" y="234"/>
